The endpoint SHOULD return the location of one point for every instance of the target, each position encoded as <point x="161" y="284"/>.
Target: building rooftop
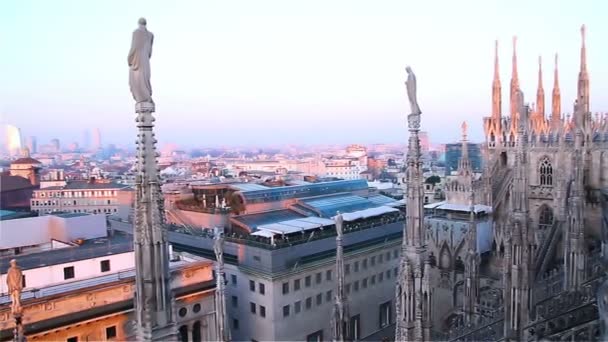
<point x="88" y="185"/>
<point x="12" y="183"/>
<point x="119" y="242"/>
<point x="26" y="160"/>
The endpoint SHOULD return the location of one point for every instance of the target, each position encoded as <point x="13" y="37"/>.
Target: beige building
<point x="79" y="196"/>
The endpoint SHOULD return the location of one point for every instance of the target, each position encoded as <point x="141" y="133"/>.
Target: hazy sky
<point x="277" y="72"/>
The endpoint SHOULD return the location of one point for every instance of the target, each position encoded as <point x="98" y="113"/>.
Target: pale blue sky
<point x="275" y="72"/>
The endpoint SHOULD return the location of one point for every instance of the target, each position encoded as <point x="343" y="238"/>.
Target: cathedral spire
<point x="340" y="319"/>
<point x="514" y="82"/>
<point x="540" y="93"/>
<point x="583" y="76"/>
<point x="464" y="165"/>
<point x="556" y="102"/>
<point x="496" y="87"/>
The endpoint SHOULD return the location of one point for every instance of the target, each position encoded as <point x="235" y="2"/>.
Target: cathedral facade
<point x="533" y="274"/>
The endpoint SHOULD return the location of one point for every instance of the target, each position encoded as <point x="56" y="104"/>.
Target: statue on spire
<point x="411" y="91"/>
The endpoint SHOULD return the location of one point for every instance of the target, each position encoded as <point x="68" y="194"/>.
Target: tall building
<point x="453" y="153"/>
<point x="55" y="145"/>
<point x="13" y="140"/>
<point x="96" y="140"/>
<point x="31" y="144"/>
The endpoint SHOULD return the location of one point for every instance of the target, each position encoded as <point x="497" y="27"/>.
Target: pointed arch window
<point x="545" y="218"/>
<point x="546" y="172"/>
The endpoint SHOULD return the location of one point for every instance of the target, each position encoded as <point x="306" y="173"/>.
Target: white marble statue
<point x="139" y="63"/>
<point x="411" y="91"/>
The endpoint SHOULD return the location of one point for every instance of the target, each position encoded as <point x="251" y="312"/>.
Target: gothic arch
<point x="445" y="259"/>
<point x="545" y="217"/>
<point x="545" y="171"/>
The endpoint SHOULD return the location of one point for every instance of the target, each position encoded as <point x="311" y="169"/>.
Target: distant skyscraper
<point x="96" y="143"/>
<point x="31" y="144"/>
<point x="13" y="140"/>
<point x="56" y="145"/>
<point x="424" y="141"/>
<point x="86" y="139"/>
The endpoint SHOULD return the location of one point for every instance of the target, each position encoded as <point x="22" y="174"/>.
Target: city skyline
<point x="228" y="76"/>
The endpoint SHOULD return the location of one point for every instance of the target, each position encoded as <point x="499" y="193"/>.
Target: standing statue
<point x="218" y="245"/>
<point x="14" y="280"/>
<point x="411" y="91"/>
<point x="139" y="63"/>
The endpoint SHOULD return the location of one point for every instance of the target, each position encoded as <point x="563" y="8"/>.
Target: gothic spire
<point x="496" y="87"/>
<point x="556" y="102"/>
<point x="514" y="81"/>
<point x="540" y="93"/>
<point x="464" y="165"/>
<point x="583" y="77"/>
<point x="340" y="319"/>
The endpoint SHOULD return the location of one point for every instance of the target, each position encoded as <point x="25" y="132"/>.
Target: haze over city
<point x="268" y="73"/>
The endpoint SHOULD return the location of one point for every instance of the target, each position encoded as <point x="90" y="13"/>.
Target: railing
<point x="283" y="241"/>
<point x="200" y="209"/>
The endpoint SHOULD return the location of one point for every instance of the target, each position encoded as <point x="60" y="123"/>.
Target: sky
<point x="286" y="72"/>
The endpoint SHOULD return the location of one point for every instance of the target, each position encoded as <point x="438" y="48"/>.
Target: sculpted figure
<point x="411" y="91"/>
<point x="14" y="280"/>
<point x="139" y="63"/>
<point x="218" y="245"/>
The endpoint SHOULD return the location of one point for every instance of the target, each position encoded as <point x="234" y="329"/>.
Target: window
<point x="286" y="311"/>
<point x="373" y="261"/>
<point x="182" y="312"/>
<point x="308" y="303"/>
<point x="380" y="277"/>
<point x="388" y="274"/>
<point x="307" y="281"/>
<point x="395" y="272"/>
<point x="319" y="299"/>
<point x="252" y="286"/>
<point x="68" y="272"/>
<point x="364" y="263"/>
<point x="395" y="254"/>
<point x="252" y="307"/>
<point x="364" y="283"/>
<point x="328" y="296"/>
<point x="23" y="281"/>
<point x="262" y="311"/>
<point x="355" y="327"/>
<point x="328" y="275"/>
<point x="380" y="258"/>
<point x="196" y="308"/>
<point x="105" y="265"/>
<point x="319" y="277"/>
<point x="373" y="280"/>
<point x="233" y="279"/>
<point x="317" y="336"/>
<point x="72" y="339"/>
<point x="546" y="172"/>
<point x="297" y="306"/>
<point x="385" y="314"/>
<point x="356" y="266"/>
<point x="286" y="288"/>
<point x="235" y="302"/>
<point x="111" y="332"/>
<point x="356" y="285"/>
<point x="388" y="256"/>
<point x="296" y="284"/>
<point x="262" y="288"/>
<point x="235" y="324"/>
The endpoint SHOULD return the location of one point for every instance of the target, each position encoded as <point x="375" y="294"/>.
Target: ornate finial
<point x="464" y="130"/>
<point x="583" y="29"/>
<point x="496" y="71"/>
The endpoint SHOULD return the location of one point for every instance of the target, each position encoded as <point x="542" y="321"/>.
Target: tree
<point x="433" y="180"/>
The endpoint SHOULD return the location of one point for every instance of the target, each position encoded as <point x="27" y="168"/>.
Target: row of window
<point x="308" y="302"/>
<point x="356" y="266"/>
<point x="68" y="203"/>
<point x="110" y="334"/>
<point x="68" y="194"/>
<point x="93" y="211"/>
<point x="69" y="272"/>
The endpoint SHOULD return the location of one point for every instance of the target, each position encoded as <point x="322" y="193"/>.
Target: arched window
<point x="545" y="218"/>
<point x="546" y="172"/>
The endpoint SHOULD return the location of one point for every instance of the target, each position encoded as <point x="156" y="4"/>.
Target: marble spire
<point x="223" y="331"/>
<point x="540" y="92"/>
<point x="496" y="87"/>
<point x="514" y="100"/>
<point x="413" y="292"/>
<point x="340" y="318"/>
<point x="153" y="296"/>
<point x="583" y="76"/>
<point x="556" y="100"/>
